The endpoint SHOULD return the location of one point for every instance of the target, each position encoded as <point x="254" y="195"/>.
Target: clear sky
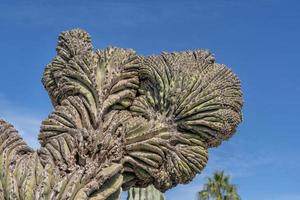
<point x="258" y="39"/>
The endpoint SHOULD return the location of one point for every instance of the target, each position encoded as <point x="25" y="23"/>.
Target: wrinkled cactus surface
<point x="120" y="120"/>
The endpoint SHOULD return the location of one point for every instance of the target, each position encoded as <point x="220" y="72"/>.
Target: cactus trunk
<point x="148" y="193"/>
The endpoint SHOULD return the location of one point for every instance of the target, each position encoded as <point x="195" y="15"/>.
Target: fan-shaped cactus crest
<point x="120" y="120"/>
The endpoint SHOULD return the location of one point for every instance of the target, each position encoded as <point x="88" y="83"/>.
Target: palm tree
<point x="219" y="187"/>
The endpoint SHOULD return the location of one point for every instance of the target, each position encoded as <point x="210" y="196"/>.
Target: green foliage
<point x="218" y="187"/>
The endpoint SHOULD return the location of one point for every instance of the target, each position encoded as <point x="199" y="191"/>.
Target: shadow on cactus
<point x="121" y="120"/>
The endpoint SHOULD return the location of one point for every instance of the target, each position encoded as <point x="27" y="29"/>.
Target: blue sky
<point x="259" y="40"/>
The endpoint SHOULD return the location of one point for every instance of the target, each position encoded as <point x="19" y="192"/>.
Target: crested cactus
<point x="120" y="120"/>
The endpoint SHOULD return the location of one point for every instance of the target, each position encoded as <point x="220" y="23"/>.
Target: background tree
<point x="218" y="187"/>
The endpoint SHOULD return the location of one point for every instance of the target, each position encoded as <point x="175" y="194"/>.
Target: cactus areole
<point x="121" y="120"/>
